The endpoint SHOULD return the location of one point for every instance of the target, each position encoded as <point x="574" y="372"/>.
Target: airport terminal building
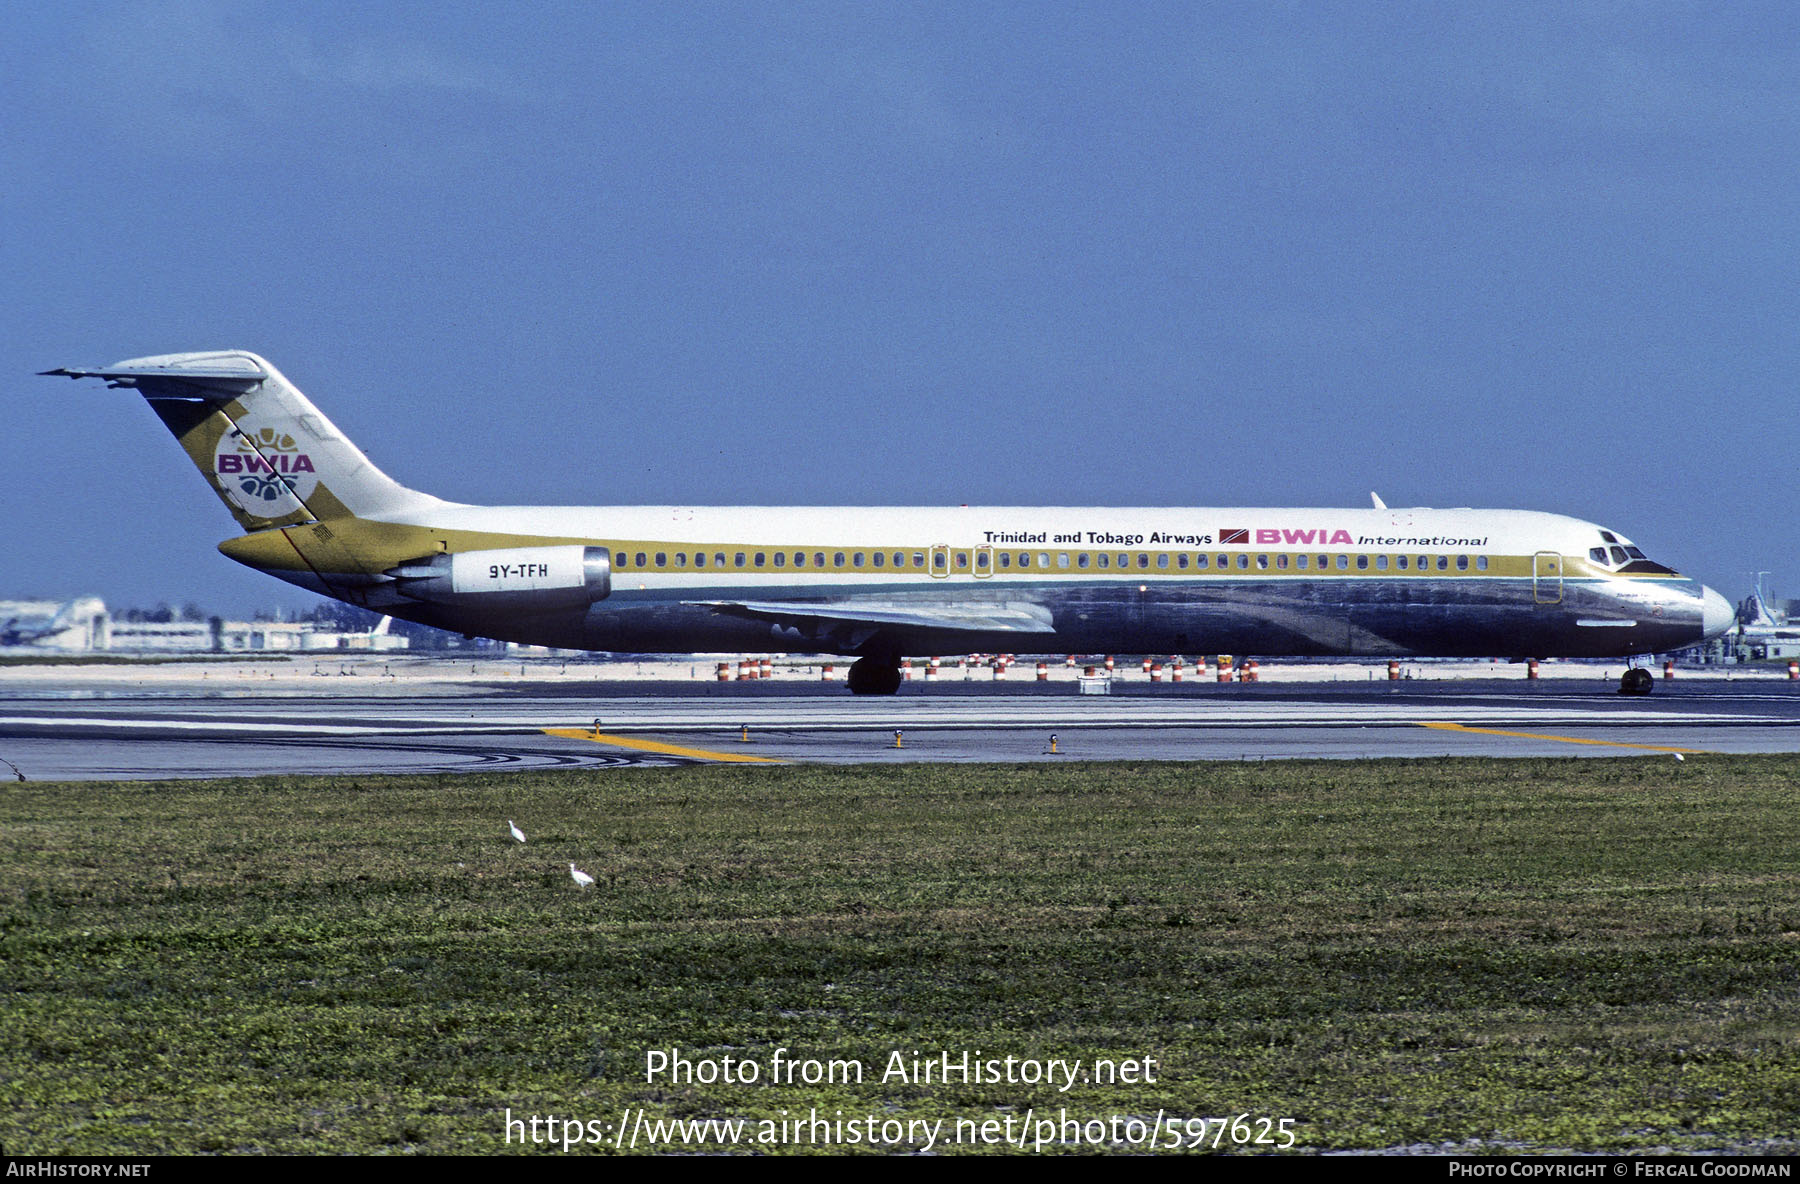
<point x="83" y="625"/>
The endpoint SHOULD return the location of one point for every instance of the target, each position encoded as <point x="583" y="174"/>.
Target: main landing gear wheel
<point x="870" y="676"/>
<point x="1637" y="681"/>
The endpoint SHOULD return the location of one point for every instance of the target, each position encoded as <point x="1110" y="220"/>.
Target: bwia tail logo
<point x="257" y="468"/>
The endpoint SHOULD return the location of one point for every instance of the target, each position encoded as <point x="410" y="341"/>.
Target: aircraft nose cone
<point x="1716" y="613"/>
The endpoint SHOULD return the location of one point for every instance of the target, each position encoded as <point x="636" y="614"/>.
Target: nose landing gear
<point x="1637" y="681"/>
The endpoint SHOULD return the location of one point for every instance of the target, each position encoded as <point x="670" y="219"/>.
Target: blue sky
<point x="1519" y="255"/>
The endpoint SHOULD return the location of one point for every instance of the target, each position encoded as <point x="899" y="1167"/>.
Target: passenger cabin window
<point x="1462" y="563"/>
<point x="1481" y="563"/>
<point x="1081" y="560"/>
<point x="1062" y="559"/>
<point x="1005" y="559"/>
<point x="1381" y="563"/>
<point x="761" y="559"/>
<point x="1362" y="563"/>
<point x="1343" y="563"/>
<point x="780" y="559"/>
<point x="1443" y="563"/>
<point x="740" y="559"/>
<point x="837" y="559"/>
<point x="1281" y="562"/>
<point x="1200" y="561"/>
<point x="1400" y="562"/>
<point x="879" y="558"/>
<point x="718" y="559"/>
<point x="1162" y="561"/>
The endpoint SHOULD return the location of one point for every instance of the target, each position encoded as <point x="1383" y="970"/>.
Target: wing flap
<point x="967" y="616"/>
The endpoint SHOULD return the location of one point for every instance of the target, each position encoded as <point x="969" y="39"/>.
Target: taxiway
<point x="212" y="727"/>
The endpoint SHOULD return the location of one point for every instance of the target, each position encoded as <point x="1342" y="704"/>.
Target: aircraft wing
<point x="867" y="617"/>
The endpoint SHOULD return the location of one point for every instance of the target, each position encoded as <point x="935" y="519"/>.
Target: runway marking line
<point x="1449" y="727"/>
<point x="658" y="746"/>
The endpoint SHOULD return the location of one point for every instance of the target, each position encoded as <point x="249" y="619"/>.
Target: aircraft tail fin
<point x="268" y="453"/>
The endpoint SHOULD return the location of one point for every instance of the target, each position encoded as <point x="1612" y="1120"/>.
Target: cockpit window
<point x="1618" y="555"/>
<point x="1597" y="554"/>
<point x="1609" y="536"/>
<point x="1635" y="553"/>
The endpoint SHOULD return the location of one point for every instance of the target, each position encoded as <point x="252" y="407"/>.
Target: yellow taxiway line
<point x="1446" y="727"/>
<point x="658" y="746"/>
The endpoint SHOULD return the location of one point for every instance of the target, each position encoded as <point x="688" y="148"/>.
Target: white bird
<point x="579" y="876"/>
<point x="516" y="832"/>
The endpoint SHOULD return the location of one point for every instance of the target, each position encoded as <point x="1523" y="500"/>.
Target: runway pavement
<point x="214" y="727"/>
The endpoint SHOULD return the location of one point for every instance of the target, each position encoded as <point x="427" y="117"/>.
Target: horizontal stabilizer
<point x="975" y="617"/>
<point x="234" y="373"/>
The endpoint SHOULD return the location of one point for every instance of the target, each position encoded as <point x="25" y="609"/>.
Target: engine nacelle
<point x="528" y="579"/>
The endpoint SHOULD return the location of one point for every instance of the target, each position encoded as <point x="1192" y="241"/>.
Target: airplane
<point x="1758" y="632"/>
<point x="883" y="583"/>
<point x="30" y="629"/>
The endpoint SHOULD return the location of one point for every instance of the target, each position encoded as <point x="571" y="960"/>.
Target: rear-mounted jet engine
<point x="528" y="579"/>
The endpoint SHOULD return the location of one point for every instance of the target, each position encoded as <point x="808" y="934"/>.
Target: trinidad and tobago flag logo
<point x="1240" y="535"/>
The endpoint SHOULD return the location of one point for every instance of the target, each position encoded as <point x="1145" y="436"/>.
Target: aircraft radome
<point x="883" y="583"/>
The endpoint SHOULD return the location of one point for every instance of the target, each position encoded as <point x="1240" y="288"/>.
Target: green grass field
<point x="1555" y="954"/>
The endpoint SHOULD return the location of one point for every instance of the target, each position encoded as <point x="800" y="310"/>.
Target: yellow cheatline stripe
<point x="1444" y="727"/>
<point x="658" y="746"/>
